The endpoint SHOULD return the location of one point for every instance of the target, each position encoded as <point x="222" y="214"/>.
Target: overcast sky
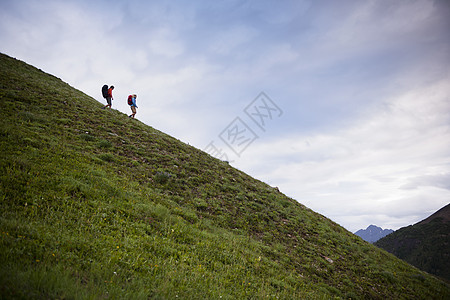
<point x="343" y="105"/>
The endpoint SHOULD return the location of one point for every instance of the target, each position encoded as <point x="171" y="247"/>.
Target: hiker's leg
<point x="108" y="99"/>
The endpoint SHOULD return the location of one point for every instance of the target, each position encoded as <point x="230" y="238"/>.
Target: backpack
<point x="105" y="91"/>
<point x="130" y="99"/>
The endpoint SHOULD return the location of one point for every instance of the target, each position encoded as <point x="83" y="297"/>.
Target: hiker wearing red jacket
<point x="109" y="97"/>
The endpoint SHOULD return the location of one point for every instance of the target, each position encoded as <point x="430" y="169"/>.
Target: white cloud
<point x="226" y="41"/>
<point x="439" y="180"/>
<point x="165" y="42"/>
<point x="377" y="24"/>
<point x="371" y="166"/>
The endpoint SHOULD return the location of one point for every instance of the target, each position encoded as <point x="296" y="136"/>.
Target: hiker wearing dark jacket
<point x="109" y="98"/>
<point x="133" y="106"/>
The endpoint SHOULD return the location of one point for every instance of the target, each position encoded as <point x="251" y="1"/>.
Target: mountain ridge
<point x="97" y="205"/>
<point x="443" y="213"/>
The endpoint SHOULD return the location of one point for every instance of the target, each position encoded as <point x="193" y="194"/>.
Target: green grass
<point x="97" y="205"/>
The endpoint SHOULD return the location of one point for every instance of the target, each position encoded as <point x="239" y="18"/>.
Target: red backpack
<point x="130" y="99"/>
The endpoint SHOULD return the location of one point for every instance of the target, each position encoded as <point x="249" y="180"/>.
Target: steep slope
<point x="373" y="233"/>
<point x="425" y="245"/>
<point x="96" y="205"/>
<point x="443" y="214"/>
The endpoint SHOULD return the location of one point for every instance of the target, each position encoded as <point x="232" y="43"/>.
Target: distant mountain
<point x="425" y="245"/>
<point x="373" y="233"/>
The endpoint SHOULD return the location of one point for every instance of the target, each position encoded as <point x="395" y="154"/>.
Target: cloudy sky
<point x="343" y="105"/>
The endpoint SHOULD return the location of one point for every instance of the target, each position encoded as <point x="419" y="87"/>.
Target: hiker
<point x="108" y="96"/>
<point x="132" y="104"/>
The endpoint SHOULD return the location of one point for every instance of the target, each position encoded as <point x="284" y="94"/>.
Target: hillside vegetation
<point x="425" y="245"/>
<point x="97" y="205"/>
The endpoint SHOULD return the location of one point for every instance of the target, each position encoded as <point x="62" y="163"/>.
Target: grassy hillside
<point x="425" y="245"/>
<point x="97" y="205"/>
